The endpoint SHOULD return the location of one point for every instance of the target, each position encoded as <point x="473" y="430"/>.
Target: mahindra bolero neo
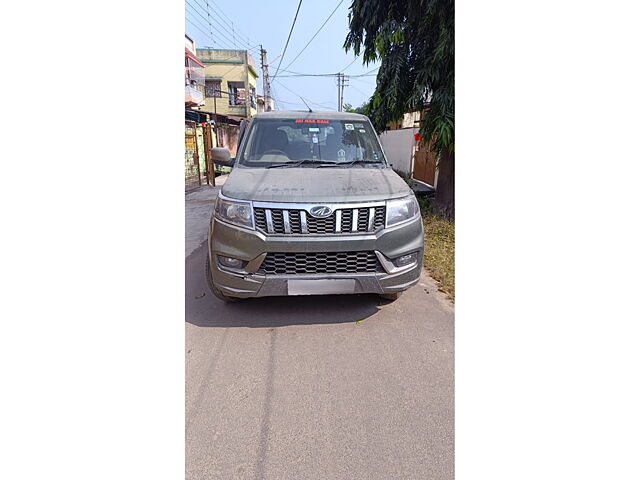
<point x="312" y="207"/>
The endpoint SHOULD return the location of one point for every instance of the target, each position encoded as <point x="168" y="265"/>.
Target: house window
<point x="213" y="88"/>
<point x="236" y="93"/>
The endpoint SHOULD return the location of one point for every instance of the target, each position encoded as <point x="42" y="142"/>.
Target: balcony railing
<point x="192" y="96"/>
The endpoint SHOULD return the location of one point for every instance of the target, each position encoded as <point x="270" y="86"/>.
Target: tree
<point x="347" y="107"/>
<point x="414" y="41"/>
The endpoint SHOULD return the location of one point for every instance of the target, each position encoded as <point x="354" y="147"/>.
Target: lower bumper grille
<point x="301" y="263"/>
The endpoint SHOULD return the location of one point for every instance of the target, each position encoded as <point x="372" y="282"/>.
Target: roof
<point x="200" y="116"/>
<point x="305" y="114"/>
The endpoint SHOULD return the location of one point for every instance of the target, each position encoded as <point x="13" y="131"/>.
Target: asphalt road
<point x="328" y="387"/>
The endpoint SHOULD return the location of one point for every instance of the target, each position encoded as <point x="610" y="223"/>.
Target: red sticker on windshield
<point x="312" y="121"/>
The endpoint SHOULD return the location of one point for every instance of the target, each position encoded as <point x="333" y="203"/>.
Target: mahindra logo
<point x="321" y="211"/>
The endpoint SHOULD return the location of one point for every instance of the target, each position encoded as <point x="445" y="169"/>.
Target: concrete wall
<point x="399" y="145"/>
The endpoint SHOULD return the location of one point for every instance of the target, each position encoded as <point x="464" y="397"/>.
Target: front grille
<point x="363" y="219"/>
<point x="261" y="219"/>
<point x="345" y="224"/>
<point x="300" y="263"/>
<point x="321" y="225"/>
<point x="299" y="221"/>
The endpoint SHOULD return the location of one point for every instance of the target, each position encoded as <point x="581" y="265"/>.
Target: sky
<point x="268" y="23"/>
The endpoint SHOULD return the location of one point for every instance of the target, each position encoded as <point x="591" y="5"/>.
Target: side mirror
<point x="222" y="156"/>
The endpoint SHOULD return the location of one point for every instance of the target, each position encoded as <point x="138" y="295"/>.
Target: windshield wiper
<point x="352" y="162"/>
<point x="300" y="162"/>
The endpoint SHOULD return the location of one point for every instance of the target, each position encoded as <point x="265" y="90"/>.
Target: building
<point x="199" y="136"/>
<point x="408" y="120"/>
<point x="265" y="106"/>
<point x="193" y="75"/>
<point x="230" y="82"/>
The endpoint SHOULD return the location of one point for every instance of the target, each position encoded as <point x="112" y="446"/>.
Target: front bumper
<point x="252" y="246"/>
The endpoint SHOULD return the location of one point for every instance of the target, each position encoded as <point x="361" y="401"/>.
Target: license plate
<point x="321" y="287"/>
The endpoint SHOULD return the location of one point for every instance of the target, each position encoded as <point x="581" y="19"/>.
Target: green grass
<point x="439" y="251"/>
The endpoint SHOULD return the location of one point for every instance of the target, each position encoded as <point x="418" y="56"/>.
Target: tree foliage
<point x="347" y="107"/>
<point x="414" y="40"/>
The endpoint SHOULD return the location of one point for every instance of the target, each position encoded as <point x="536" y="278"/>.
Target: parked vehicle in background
<point x="312" y="207"/>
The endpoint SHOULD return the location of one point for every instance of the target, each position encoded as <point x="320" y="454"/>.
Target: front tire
<point x="215" y="290"/>
<point x="391" y="296"/>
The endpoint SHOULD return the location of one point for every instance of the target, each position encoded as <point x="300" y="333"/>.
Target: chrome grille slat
<point x="303" y="221"/>
<point x="287" y="225"/>
<point x="354" y="220"/>
<point x="269" y="221"/>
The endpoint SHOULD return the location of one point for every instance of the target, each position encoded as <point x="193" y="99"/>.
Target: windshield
<point x="310" y="142"/>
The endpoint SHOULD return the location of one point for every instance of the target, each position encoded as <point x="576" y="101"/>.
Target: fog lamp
<point x="405" y="260"/>
<point x="231" y="262"/>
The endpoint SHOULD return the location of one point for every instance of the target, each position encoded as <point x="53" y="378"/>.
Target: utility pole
<point x="247" y="86"/>
<point x="345" y="82"/>
<point x="265" y="79"/>
<point x="342" y="80"/>
<point x="339" y="76"/>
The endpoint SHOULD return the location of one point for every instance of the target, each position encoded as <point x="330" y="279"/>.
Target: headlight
<point x="232" y="211"/>
<point x="402" y="210"/>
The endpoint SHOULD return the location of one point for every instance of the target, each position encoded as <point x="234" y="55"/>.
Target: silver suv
<point x="312" y="207"/>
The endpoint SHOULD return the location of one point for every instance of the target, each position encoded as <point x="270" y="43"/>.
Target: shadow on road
<point x="203" y="309"/>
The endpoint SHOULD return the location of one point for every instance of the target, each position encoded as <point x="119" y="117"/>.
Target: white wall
<point x="398" y="145"/>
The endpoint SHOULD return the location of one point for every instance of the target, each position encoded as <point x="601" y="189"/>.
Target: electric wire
<point x="240" y="32"/>
<point x="192" y="23"/>
<point x="210" y="34"/>
<point x="315" y="34"/>
<point x="232" y="32"/>
<point x="359" y="91"/>
<point x="288" y="38"/>
<point x="354" y="61"/>
<point x="296" y="93"/>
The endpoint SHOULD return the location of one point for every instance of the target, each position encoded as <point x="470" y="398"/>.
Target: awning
<point x="193" y="57"/>
<point x="196" y="116"/>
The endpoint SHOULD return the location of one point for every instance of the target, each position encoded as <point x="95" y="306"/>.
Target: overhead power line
<point x="315" y="34"/>
<point x="233" y="25"/>
<point x="360" y="91"/>
<point x="194" y="11"/>
<point x="188" y="4"/>
<point x="323" y="75"/>
<point x="354" y="61"/>
<point x="232" y="31"/>
<point x="297" y="94"/>
<point x="361" y="81"/>
<point x="288" y="38"/>
<point x="195" y="25"/>
<point x="367" y="73"/>
<point x="199" y="21"/>
<point x="223" y="28"/>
